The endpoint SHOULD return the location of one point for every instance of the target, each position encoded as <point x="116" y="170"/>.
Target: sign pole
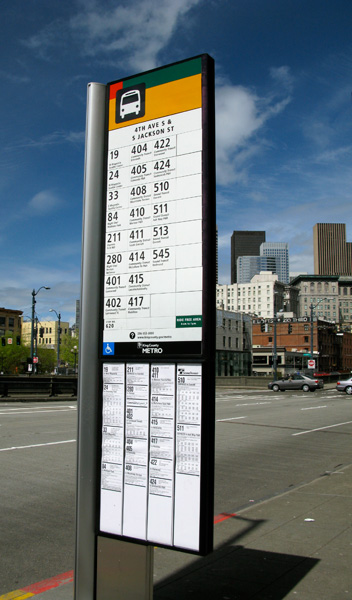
<point x="88" y="368"/>
<point x="147" y="362"/>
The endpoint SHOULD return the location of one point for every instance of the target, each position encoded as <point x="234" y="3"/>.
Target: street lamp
<point x="312" y="307"/>
<point x="74" y="352"/>
<point x="58" y="338"/>
<point x="34" y="293"/>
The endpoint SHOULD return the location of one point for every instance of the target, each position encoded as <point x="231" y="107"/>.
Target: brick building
<point x="294" y="336"/>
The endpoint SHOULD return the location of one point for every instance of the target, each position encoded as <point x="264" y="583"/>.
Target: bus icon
<point x="130" y="103"/>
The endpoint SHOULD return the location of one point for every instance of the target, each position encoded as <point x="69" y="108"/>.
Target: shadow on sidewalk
<point x="233" y="572"/>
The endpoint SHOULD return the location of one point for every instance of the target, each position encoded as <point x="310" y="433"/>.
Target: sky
<point x="283" y="122"/>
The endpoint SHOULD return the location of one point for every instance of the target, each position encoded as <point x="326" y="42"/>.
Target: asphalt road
<point x="266" y="443"/>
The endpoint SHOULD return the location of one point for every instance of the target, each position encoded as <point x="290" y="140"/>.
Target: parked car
<point x="307" y="383"/>
<point x="345" y="385"/>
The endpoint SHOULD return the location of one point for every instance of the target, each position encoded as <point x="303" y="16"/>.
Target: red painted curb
<point x="49" y="584"/>
<point x="223" y="517"/>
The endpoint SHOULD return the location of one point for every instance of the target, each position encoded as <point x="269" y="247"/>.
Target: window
<point x="224" y="342"/>
<point x="306" y="338"/>
<point x="270" y="339"/>
<point x="2" y="321"/>
<point x="306" y="328"/>
<point x="229" y="342"/>
<point x="11" y="322"/>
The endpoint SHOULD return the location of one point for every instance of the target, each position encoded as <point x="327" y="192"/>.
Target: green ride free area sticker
<point x="189" y="321"/>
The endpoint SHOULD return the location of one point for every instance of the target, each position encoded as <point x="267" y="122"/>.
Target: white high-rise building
<point x="263" y="296"/>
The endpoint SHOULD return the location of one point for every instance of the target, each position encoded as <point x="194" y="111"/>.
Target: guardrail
<point x="38" y="386"/>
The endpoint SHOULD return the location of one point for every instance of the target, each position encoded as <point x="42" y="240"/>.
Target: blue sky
<point x="283" y="114"/>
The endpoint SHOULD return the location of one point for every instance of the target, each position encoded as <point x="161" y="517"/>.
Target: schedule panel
<point x="158" y="315"/>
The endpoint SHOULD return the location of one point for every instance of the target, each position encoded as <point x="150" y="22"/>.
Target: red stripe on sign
<point x="49" y="584"/>
<point x="223" y="517"/>
<point x="114" y="88"/>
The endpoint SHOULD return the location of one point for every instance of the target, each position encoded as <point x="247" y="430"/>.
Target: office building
<point x="244" y="243"/>
<point x="263" y="296"/>
<point x="332" y="254"/>
<point x="45" y="333"/>
<point x="10" y="321"/>
<point x="248" y="266"/>
<point x="279" y="252"/>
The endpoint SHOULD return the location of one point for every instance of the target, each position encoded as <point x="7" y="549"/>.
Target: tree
<point x="68" y="347"/>
<point x="13" y="357"/>
<point x="46" y="360"/>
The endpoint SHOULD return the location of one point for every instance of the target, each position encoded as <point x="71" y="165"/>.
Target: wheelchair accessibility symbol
<point x="108" y="348"/>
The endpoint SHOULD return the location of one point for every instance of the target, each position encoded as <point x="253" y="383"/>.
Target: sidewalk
<point x="295" y="546"/>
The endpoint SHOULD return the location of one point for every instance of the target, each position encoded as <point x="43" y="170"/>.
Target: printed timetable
<point x="153" y="239"/>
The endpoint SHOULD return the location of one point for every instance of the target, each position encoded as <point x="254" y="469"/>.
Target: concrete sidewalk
<point x="296" y="546"/>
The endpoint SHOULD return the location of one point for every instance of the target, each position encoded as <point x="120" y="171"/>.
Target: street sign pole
<point x="147" y="338"/>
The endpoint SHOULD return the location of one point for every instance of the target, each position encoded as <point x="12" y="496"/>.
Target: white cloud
<point x="137" y="30"/>
<point x="240" y="116"/>
<point x="44" y="202"/>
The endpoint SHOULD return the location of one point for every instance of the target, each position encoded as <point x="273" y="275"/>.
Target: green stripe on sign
<point x="189" y="321"/>
<point x="167" y="74"/>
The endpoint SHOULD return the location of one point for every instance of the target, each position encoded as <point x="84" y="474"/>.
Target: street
<point x="266" y="443"/>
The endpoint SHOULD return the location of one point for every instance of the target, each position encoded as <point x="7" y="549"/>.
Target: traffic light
<point x="262" y="327"/>
<point x="3" y="341"/>
<point x="18" y="340"/>
<point x="289" y="328"/>
<point x="41" y="332"/>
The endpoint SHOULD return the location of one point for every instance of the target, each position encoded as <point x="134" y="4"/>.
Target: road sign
<point x="311" y="364"/>
<point x="9" y="340"/>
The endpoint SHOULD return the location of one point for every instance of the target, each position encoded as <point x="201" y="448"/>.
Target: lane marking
<point x="322" y="428"/>
<point x="231" y="419"/>
<point x="253" y="404"/>
<point x="23" y="408"/>
<point x="30" y="412"/>
<point x="36" y="446"/>
<point x="313" y="407"/>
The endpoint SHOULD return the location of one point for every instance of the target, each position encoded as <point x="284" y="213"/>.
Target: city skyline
<point x="283" y="123"/>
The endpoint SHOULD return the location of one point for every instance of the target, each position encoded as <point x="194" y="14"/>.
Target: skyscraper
<point x="278" y="250"/>
<point x="332" y="254"/>
<point x="244" y="243"/>
<point x="248" y="266"/>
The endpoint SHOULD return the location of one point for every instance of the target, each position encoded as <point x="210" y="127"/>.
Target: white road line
<point x="30" y="412"/>
<point x="253" y="404"/>
<point x="22" y="408"/>
<point x="36" y="445"/>
<point x="231" y="419"/>
<point x="313" y="407"/>
<point x="322" y="428"/>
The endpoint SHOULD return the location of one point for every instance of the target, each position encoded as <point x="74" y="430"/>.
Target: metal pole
<point x="58" y="344"/>
<point x="311" y="330"/>
<point x="32" y="326"/>
<point x="275" y="351"/>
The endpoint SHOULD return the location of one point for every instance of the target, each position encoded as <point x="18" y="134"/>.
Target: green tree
<point x="46" y="360"/>
<point x="13" y="357"/>
<point x="68" y="348"/>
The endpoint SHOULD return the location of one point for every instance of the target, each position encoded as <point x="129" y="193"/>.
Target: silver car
<point x="307" y="383"/>
<point x="345" y="386"/>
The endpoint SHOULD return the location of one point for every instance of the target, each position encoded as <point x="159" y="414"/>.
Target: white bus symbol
<point x="130" y="103"/>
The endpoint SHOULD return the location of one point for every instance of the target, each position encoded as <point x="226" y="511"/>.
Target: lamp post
<point x="312" y="307"/>
<point x="74" y="352"/>
<point x="58" y="338"/>
<point x="34" y="293"/>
